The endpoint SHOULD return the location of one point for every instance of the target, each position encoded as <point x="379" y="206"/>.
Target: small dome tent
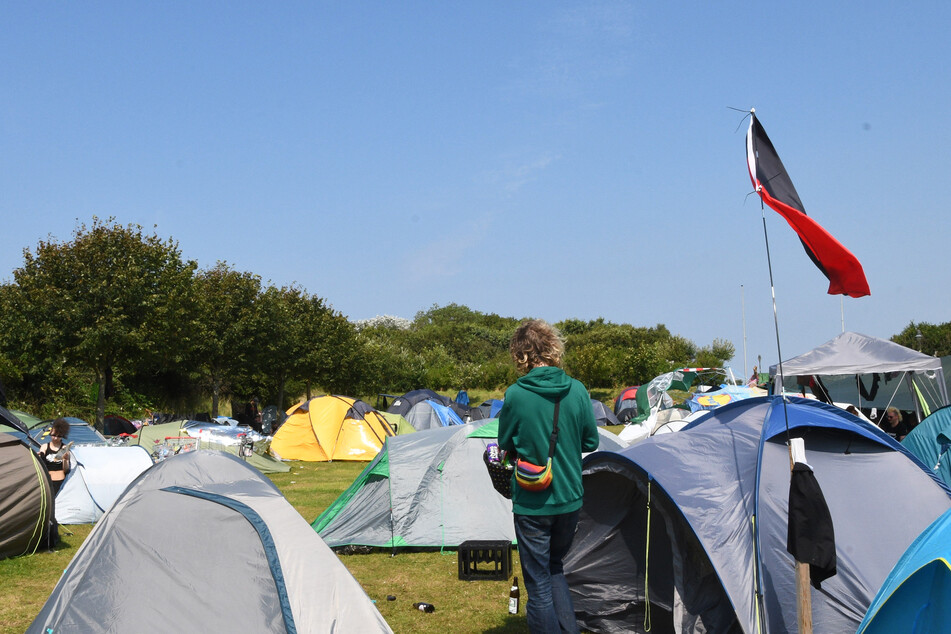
<point x="202" y="542"/>
<point x="331" y="428"/>
<point x="430" y="414"/>
<point x="97" y="478"/>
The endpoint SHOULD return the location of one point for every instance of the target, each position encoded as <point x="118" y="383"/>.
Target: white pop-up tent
<point x="98" y="477"/>
<point x="852" y="356"/>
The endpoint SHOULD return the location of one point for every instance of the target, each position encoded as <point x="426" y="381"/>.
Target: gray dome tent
<point x="202" y="542"/>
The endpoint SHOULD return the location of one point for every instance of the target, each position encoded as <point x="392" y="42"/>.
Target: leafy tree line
<point x="115" y="320"/>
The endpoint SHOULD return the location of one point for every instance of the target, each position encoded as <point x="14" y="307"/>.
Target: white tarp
<point x="855" y="353"/>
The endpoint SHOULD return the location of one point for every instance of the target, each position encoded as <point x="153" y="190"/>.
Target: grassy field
<point x="461" y="606"/>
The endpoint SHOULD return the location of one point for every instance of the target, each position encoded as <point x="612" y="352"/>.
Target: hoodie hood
<point x="550" y="382"/>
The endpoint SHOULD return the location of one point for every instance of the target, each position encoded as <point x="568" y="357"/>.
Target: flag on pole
<point x="772" y="183"/>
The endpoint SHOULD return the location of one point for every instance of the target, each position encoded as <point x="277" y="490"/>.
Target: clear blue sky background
<point x="546" y="159"/>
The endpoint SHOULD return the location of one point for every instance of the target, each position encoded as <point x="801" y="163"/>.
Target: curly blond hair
<point x="536" y="342"/>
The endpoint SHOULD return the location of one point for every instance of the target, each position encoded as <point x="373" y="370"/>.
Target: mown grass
<point x="461" y="606"/>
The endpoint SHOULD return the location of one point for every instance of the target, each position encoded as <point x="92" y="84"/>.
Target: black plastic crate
<point x="485" y="560"/>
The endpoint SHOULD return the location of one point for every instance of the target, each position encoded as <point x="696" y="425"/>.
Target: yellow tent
<point x="331" y="428"/>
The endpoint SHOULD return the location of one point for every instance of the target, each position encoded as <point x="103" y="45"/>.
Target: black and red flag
<point x="772" y="183"/>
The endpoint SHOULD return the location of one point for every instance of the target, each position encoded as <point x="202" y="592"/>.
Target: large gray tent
<point x="202" y="542"/>
<point x="710" y="503"/>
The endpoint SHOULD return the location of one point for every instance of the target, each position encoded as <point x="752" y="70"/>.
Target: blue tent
<point x="430" y="414"/>
<point x="930" y="441"/>
<point x="491" y="408"/>
<point x="80" y="432"/>
<point x="708" y="509"/>
<point x="916" y="595"/>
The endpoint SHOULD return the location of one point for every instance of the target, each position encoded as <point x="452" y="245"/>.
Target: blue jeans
<point x="543" y="542"/>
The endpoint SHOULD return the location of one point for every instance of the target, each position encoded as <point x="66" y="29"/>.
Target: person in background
<point x="57" y="465"/>
<point x="545" y="521"/>
<point x="754" y="378"/>
<point x="893" y="424"/>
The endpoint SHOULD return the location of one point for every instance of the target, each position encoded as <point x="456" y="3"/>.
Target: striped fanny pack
<point x="533" y="477"/>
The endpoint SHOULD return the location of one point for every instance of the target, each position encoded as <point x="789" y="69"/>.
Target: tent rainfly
<point x="202" y="542"/>
<point x="331" y="428"/>
<point x="426" y="490"/>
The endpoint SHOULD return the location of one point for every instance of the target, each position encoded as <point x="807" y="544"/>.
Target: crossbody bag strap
<point x="554" y="433"/>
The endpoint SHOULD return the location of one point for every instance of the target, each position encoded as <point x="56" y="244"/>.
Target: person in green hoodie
<point x="545" y="521"/>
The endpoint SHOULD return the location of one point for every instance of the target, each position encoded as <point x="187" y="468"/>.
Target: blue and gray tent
<point x="707" y="507"/>
<point x="430" y="414"/>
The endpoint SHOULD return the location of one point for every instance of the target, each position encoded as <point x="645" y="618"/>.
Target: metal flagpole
<point x="803" y="591"/>
<point x="746" y="370"/>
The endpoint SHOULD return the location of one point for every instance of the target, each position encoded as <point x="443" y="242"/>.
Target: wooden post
<point x="803" y="598"/>
<point x="803" y="591"/>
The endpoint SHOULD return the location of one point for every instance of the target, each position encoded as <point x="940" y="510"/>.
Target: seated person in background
<point x="57" y="465"/>
<point x="894" y="424"/>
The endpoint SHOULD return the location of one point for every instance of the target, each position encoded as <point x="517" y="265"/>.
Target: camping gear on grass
<point x="907" y="379"/>
<point x="168" y="439"/>
<point x="202" y="542"/>
<point x="930" y="441"/>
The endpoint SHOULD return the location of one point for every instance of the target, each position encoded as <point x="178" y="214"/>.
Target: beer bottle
<point x="513" y="597"/>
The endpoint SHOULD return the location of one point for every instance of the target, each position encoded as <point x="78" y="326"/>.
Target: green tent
<point x="399" y="424"/>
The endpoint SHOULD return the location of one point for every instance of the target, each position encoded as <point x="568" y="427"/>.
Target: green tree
<point x="227" y="301"/>
<point x="330" y="354"/>
<point x="935" y="339"/>
<point x="302" y="341"/>
<point x="112" y="297"/>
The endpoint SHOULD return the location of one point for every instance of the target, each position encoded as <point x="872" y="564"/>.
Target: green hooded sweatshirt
<point x="525" y="425"/>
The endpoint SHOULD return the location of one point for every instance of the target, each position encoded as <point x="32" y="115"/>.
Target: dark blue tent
<point x="403" y="404"/>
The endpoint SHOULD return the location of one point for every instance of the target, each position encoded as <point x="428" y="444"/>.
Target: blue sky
<point x="546" y="159"/>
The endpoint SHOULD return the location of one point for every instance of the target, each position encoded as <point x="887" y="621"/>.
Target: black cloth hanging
<point x="811" y="536"/>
